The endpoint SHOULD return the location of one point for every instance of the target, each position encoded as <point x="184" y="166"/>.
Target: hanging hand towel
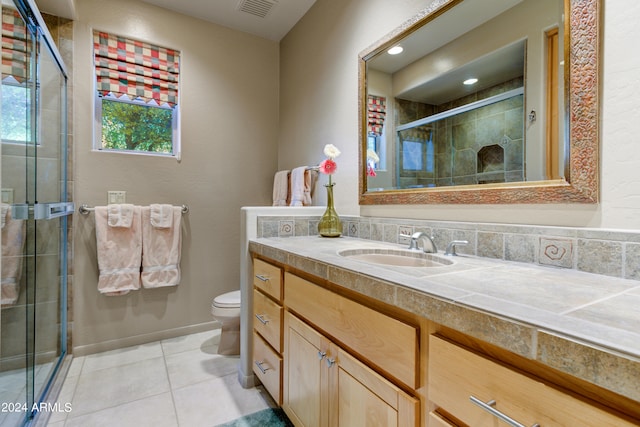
<point x="120" y="215"/>
<point x="119" y="248"/>
<point x="281" y="188"/>
<point x="13" y="231"/>
<point x="161" y="246"/>
<point x="300" y="187"/>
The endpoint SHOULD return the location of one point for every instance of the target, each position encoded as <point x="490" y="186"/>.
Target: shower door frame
<point x="34" y="210"/>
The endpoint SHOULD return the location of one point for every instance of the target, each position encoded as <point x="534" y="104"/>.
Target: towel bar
<point x="86" y="210"/>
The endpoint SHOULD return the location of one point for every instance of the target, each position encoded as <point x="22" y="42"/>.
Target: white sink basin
<point x="395" y="257"/>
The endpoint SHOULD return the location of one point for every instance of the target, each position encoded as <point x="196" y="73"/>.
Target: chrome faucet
<point x="415" y="237"/>
<point x="451" y="247"/>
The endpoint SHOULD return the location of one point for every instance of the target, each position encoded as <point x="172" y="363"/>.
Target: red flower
<point x="371" y="171"/>
<point x="328" y="166"/>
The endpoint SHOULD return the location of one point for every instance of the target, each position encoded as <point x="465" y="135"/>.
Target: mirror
<point x="525" y="130"/>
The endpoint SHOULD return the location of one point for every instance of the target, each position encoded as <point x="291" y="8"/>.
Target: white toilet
<point x="225" y="309"/>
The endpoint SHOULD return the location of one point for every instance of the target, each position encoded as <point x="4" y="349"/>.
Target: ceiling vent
<point x="259" y="8"/>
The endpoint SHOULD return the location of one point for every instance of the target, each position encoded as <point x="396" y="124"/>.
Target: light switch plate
<point x="114" y="197"/>
<point x="7" y="196"/>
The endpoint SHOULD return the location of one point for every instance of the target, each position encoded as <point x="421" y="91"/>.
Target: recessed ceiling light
<point x="470" y="81"/>
<point x="395" y="50"/>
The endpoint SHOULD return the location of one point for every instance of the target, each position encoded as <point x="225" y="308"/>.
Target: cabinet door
<point x="305" y="386"/>
<point x="362" y="398"/>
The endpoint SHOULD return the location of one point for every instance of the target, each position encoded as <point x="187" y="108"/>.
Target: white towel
<point x="301" y="186"/>
<point x="161" y="247"/>
<point x="120" y="215"/>
<point x="281" y="188"/>
<point x="161" y="216"/>
<point x="13" y="233"/>
<point x="119" y="248"/>
<point x="4" y="209"/>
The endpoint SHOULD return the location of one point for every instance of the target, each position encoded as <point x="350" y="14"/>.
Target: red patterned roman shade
<point x="15" y="46"/>
<point x="376" y="112"/>
<point x="136" y="69"/>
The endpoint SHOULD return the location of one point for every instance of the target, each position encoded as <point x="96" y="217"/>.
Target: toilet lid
<point x="230" y="299"/>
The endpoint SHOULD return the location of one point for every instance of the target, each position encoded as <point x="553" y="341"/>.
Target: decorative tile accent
<point x="352" y="229"/>
<point x="556" y="252"/>
<point x="286" y="228"/>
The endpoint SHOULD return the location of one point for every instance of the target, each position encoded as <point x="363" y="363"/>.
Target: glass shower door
<point x="34" y="215"/>
<point x="50" y="214"/>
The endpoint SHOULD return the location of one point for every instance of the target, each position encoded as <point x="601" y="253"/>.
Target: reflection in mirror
<point x="476" y="100"/>
<point x="456" y="115"/>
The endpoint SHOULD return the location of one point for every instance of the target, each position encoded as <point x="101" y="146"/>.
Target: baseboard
<point x="115" y="344"/>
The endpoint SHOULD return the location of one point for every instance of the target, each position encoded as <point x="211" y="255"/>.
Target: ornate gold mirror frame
<point x="582" y="139"/>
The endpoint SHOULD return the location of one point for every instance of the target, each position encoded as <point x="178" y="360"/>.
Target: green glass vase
<point x="330" y="225"/>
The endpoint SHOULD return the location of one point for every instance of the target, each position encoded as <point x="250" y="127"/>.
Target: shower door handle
<point x="41" y="210"/>
<point x="52" y="210"/>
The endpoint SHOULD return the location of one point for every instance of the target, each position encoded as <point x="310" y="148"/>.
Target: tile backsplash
<point x="609" y="252"/>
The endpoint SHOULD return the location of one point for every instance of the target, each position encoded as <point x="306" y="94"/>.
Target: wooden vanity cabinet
<point x="458" y="376"/>
<point x="324" y="384"/>
<point x="267" y="326"/>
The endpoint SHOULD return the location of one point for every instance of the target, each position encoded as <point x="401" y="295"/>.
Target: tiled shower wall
<point x="607" y="252"/>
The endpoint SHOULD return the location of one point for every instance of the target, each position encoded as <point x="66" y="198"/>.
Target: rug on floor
<point x="272" y="417"/>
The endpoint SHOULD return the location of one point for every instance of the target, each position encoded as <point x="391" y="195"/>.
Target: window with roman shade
<point x="376" y="112"/>
<point x="15" y="46"/>
<point x="137" y="88"/>
<point x="136" y="69"/>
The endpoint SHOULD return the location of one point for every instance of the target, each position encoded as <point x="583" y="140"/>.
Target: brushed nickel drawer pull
<point x="259" y="365"/>
<point x="330" y="362"/>
<point x="489" y="407"/>
<point x="262" y="277"/>
<point x="321" y="354"/>
<point x="261" y="318"/>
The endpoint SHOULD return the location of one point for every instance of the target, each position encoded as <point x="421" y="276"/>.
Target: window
<point x="376" y="113"/>
<point x="16" y="108"/>
<point x="136" y="96"/>
<point x="16" y="84"/>
<point x="412" y="155"/>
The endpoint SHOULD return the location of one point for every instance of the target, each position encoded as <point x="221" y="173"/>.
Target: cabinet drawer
<point x="267" y="319"/>
<point x="267" y="365"/>
<point x="456" y="374"/>
<point x="437" y="420"/>
<point x="387" y="343"/>
<point x="268" y="278"/>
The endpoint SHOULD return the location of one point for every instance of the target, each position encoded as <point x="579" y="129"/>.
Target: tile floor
<point x="175" y="382"/>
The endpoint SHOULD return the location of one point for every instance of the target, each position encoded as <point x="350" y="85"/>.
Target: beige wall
<point x="229" y="117"/>
<point x="319" y="105"/>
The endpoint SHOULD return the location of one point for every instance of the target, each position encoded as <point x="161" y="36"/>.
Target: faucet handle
<point x="451" y="247"/>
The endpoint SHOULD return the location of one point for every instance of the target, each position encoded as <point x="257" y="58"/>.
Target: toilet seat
<point x="228" y="300"/>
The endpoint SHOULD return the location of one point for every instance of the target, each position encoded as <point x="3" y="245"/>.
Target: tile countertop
<point x="584" y="324"/>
